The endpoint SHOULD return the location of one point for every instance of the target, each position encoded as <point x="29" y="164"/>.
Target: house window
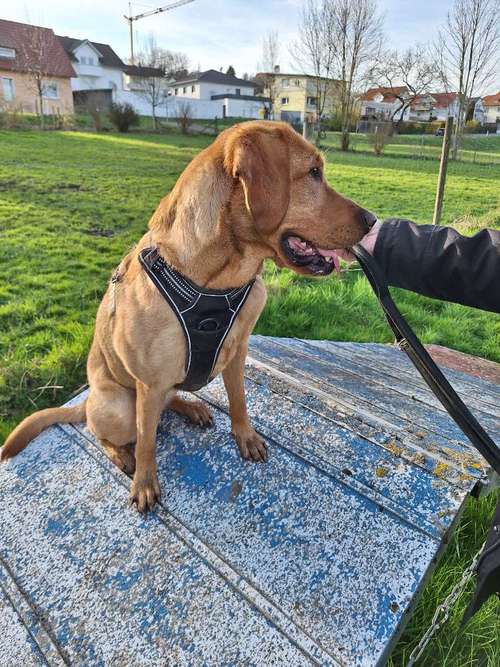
<point x="193" y="88"/>
<point x="50" y="90"/>
<point x="238" y="91"/>
<point x="370" y="110"/>
<point x="284" y="100"/>
<point x="311" y="101"/>
<point x="184" y="90"/>
<point x="176" y="91"/>
<point x="285" y="83"/>
<point x="8" y="89"/>
<point x="5" y="52"/>
<point x="297" y="83"/>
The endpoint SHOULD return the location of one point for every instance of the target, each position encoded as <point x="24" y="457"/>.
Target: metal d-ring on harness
<point x="487" y="561"/>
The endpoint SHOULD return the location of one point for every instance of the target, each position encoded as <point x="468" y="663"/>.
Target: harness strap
<point x="206" y="316"/>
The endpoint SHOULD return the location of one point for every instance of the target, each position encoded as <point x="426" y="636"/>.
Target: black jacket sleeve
<point x="440" y="263"/>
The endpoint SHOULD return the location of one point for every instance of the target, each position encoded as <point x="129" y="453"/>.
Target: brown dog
<point x="257" y="192"/>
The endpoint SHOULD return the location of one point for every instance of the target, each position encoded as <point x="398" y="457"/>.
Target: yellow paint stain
<point x="380" y="472"/>
<point x="441" y="469"/>
<point x="394" y="448"/>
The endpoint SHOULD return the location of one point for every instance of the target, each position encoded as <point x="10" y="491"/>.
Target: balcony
<point x="88" y="70"/>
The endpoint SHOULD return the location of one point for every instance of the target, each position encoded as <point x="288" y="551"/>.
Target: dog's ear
<point x="261" y="162"/>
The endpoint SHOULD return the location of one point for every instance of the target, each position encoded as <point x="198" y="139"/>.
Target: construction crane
<point x="151" y="12"/>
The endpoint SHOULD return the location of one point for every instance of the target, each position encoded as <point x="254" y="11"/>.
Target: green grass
<point x="71" y="204"/>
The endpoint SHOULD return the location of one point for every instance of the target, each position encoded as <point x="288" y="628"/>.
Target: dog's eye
<point x="315" y="172"/>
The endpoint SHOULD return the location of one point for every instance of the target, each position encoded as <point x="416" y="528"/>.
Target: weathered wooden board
<point x="313" y="558"/>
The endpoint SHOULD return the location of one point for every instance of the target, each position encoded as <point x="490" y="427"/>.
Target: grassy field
<point x="71" y="204"/>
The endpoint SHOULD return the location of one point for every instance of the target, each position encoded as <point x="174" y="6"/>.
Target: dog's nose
<point x="367" y="219"/>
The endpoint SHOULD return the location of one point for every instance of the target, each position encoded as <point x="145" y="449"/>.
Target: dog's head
<point x="293" y="209"/>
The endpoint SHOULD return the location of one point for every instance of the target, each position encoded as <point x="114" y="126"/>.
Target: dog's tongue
<point x="333" y="254"/>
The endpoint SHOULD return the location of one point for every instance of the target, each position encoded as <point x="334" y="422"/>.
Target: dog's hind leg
<point x="123" y="457"/>
<point x="111" y="418"/>
<point x="196" y="411"/>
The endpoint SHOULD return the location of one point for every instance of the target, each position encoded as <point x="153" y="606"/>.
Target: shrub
<point x="432" y="127"/>
<point x="407" y="127"/>
<point x="473" y="127"/>
<point x="185" y="117"/>
<point x="123" y="116"/>
<point x="380" y="138"/>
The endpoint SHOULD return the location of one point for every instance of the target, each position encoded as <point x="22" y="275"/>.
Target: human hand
<point x="368" y="242"/>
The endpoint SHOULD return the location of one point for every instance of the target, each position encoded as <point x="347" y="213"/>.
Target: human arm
<point x="438" y="261"/>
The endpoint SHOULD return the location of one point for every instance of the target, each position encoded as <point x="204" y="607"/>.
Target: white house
<point x="97" y="67"/>
<point x="103" y="78"/>
<point x="491" y="106"/>
<point x="434" y="106"/>
<point x="213" y="94"/>
<point x="381" y="103"/>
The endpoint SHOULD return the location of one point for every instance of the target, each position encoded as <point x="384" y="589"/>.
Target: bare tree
<point x="270" y="61"/>
<point x="150" y="76"/>
<point x="314" y="51"/>
<point x="467" y="49"/>
<point x="34" y="46"/>
<point x="185" y="117"/>
<point x="408" y="74"/>
<point x="356" y="33"/>
<point x="173" y="63"/>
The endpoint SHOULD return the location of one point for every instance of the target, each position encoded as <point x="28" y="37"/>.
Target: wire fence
<point x="477" y="149"/>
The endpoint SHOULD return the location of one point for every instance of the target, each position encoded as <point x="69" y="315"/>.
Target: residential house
<point x="212" y="93"/>
<point x="440" y="106"/>
<point x="102" y="78"/>
<point x="23" y="49"/>
<point x="421" y="108"/>
<point x="99" y="71"/>
<point x="491" y="106"/>
<point x="476" y="110"/>
<point x="381" y="103"/>
<point x="296" y="95"/>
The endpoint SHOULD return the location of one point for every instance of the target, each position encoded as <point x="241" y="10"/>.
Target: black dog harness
<point x="206" y="316"/>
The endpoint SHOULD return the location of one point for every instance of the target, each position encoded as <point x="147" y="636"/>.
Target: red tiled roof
<point x="443" y="100"/>
<point x="389" y="94"/>
<point x="32" y="43"/>
<point x="492" y="100"/>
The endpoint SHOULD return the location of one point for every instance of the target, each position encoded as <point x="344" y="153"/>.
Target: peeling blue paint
<point x="311" y="559"/>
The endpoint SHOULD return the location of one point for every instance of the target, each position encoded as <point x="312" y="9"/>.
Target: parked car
<point x="439" y="132"/>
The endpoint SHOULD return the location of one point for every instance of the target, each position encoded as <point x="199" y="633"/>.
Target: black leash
<point x="488" y="567"/>
<point x="422" y="361"/>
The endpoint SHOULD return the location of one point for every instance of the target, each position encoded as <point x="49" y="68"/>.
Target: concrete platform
<point x="315" y="558"/>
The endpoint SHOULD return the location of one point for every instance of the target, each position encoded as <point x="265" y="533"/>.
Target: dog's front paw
<point x="250" y="443"/>
<point x="145" y="491"/>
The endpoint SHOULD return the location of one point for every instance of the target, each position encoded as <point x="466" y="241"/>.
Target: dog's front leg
<point x="145" y="489"/>
<point x="250" y="443"/>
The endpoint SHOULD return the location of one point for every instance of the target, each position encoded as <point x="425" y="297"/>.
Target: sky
<point x="214" y="33"/>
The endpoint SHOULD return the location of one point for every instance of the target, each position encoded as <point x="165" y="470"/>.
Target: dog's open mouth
<point x="304" y="254"/>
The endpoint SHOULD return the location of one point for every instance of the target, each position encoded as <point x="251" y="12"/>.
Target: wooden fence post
<point x="438" y="206"/>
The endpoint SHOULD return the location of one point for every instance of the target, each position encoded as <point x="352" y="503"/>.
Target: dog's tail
<point x="30" y="427"/>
